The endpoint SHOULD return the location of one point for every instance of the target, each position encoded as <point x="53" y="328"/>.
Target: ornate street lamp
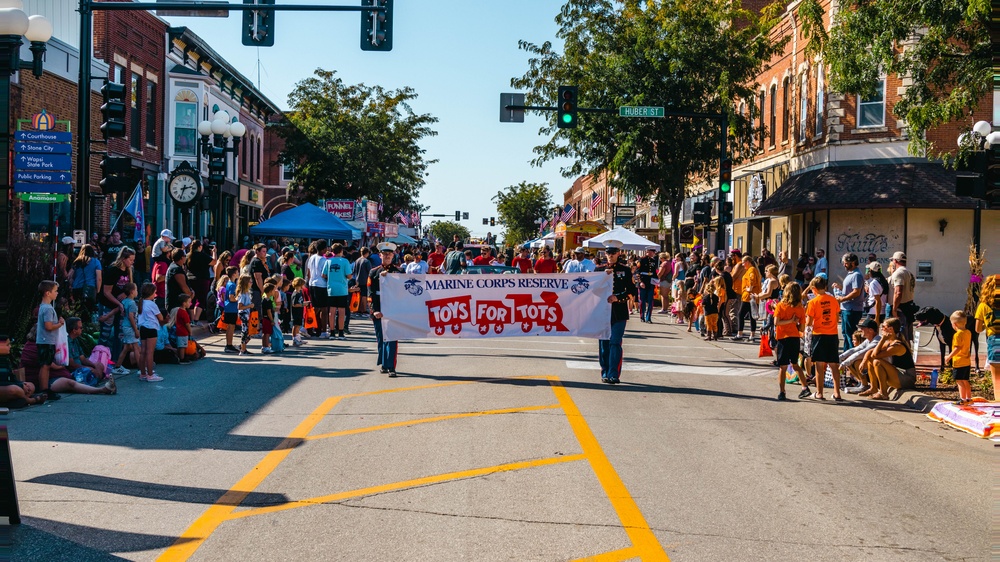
<point x="14" y="25"/>
<point x="981" y="138"/>
<point x="225" y="133"/>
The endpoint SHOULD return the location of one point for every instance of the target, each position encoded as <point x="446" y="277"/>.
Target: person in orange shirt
<point x="961" y="355"/>
<point x="788" y="319"/>
<point x="823" y="315"/>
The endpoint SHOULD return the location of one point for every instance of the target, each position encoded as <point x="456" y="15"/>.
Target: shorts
<point x="229" y="318"/>
<point x="961" y="373"/>
<point x="319" y="296"/>
<point x="148" y="333"/>
<point x="297" y="317"/>
<point x="266" y="326"/>
<point x="128" y="336"/>
<point x="182" y="342"/>
<point x="46" y="353"/>
<point x="993" y="350"/>
<point x="788" y="351"/>
<point x="825" y="348"/>
<point x="339" y="302"/>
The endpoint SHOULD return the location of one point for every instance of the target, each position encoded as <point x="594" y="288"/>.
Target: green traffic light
<point x="567" y="118"/>
<point x="725" y="187"/>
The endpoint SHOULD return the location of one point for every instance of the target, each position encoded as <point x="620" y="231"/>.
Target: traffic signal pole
<point x="720" y="234"/>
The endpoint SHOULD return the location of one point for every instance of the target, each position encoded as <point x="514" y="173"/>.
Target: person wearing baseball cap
<point x="166" y="237"/>
<point x="876" y="287"/>
<point x="387" y="350"/>
<point x="902" y="284"/>
<point x="610" y="350"/>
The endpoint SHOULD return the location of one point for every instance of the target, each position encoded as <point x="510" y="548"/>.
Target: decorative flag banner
<point x="595" y="200"/>
<point x="403" y="218"/>
<point x="136" y="218"/>
<point x="490" y="306"/>
<point x="542" y="226"/>
<point x="415" y="218"/>
<point x="569" y="215"/>
<point x="565" y="213"/>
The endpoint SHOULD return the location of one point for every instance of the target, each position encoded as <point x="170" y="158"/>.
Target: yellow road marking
<point x="626" y="553"/>
<point x="204" y="526"/>
<point x="394" y="486"/>
<point x="439" y="385"/>
<point x="408" y="423"/>
<point x="643" y="540"/>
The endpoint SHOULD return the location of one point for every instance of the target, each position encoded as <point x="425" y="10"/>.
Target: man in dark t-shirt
<point x="176" y="283"/>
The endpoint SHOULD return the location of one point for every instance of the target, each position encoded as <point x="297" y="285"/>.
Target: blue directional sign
<point x="21" y="187"/>
<point x="50" y="177"/>
<point x="52" y="163"/>
<point x="42" y="148"/>
<point x="43" y="136"/>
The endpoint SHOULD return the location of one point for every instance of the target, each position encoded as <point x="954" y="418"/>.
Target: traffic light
<point x="726" y="214"/>
<point x="113" y="109"/>
<point x="567" y="110"/>
<point x="458" y="216"/>
<point x="216" y="166"/>
<point x="700" y="215"/>
<point x="114" y="174"/>
<point x="486" y="221"/>
<point x="726" y="175"/>
<point x="465" y="216"/>
<point x="258" y="25"/>
<point x="376" y="26"/>
<point x="493" y="221"/>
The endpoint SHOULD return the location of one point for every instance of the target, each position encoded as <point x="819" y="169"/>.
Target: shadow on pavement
<point x="55" y="541"/>
<point x="140" y="489"/>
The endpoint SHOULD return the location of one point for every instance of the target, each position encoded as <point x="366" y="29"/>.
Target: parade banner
<point x="500" y="305"/>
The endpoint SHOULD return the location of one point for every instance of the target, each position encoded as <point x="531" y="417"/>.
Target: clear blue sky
<point x="457" y="55"/>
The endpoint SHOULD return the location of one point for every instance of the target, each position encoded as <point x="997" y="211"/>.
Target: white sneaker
<point x="857" y="389"/>
<point x="120" y="371"/>
<point x="324" y="336"/>
<point x="154" y="378"/>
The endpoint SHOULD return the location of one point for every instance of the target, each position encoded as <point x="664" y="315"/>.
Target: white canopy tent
<point x="631" y="240"/>
<point x="547" y="240"/>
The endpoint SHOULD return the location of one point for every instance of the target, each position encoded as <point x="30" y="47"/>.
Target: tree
<point x="352" y="141"/>
<point x="518" y="207"/>
<point x="445" y="231"/>
<point x="685" y="55"/>
<point x="944" y="48"/>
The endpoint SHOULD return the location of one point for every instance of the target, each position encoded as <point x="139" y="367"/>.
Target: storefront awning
<point x="912" y="185"/>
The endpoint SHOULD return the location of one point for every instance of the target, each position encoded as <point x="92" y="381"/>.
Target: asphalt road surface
<point x="499" y="449"/>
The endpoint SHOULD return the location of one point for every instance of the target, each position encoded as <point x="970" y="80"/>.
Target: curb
<point x="918" y="401"/>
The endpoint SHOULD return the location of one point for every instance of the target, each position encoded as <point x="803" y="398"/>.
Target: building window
<point x="774" y="110"/>
<point x="287" y="172"/>
<point x="151" y="113"/>
<point x="785" y="113"/>
<point x="803" y="107"/>
<point x="871" y="110"/>
<point x="135" y="128"/>
<point x="760" y="130"/>
<point x="119" y="76"/>
<point x="253" y="152"/>
<point x="185" y="123"/>
<point x="819" y="101"/>
<point x="243" y="157"/>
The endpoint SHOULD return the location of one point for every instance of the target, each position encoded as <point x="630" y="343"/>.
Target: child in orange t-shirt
<point x="788" y="318"/>
<point x="823" y="315"/>
<point x="961" y="355"/>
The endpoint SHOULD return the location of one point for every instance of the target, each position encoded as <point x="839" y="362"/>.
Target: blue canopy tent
<point x="305" y="221"/>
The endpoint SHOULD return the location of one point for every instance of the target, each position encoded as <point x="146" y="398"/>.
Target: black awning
<point x="885" y="186"/>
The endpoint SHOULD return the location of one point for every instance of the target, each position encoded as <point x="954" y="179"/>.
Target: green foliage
<point x="353" y="141"/>
<point x="685" y="55"/>
<point x="30" y="263"/>
<point x="518" y="207"/>
<point x="446" y="230"/>
<point x="943" y="47"/>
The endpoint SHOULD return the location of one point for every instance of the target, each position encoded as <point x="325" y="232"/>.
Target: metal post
<point x="10" y="48"/>
<point x="977" y="225"/>
<point x="720" y="238"/>
<point x="83" y="116"/>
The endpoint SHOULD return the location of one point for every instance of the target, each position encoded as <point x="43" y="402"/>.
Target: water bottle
<point x="934" y="378"/>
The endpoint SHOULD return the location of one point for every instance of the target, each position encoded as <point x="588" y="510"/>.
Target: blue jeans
<point x="646" y="302"/>
<point x="610" y="352"/>
<point x="848" y="325"/>
<point x="386" y="349"/>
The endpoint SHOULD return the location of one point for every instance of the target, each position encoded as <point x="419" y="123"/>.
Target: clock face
<point x="184" y="188"/>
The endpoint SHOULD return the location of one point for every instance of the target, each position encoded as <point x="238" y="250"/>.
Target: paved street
<point x="504" y="449"/>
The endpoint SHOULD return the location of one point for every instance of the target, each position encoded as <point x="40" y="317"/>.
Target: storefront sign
<point x="341" y="208"/>
<point x="372" y="212"/>
<point x="376" y="228"/>
<point x="489" y="306"/>
<point x="391" y="230"/>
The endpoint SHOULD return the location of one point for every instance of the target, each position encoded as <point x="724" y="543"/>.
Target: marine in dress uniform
<point x="386" y="349"/>
<point x="610" y="351"/>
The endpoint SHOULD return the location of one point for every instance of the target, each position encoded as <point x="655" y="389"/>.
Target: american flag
<point x="403" y="218"/>
<point x="595" y="200"/>
<point x="567" y="213"/>
<point x="415" y="218"/>
<point x="542" y="226"/>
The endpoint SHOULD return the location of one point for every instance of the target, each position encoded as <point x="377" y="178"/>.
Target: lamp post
<point x="15" y="25"/>
<point x="225" y="133"/>
<point x="614" y="211"/>
<point x="981" y="137"/>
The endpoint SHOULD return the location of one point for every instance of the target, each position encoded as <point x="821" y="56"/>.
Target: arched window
<point x="760" y="130"/>
<point x="803" y="106"/>
<point x="785" y="109"/>
<point x="774" y="110"/>
<point x="820" y="101"/>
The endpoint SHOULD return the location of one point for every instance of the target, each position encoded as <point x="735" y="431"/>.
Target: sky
<point x="458" y="56"/>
